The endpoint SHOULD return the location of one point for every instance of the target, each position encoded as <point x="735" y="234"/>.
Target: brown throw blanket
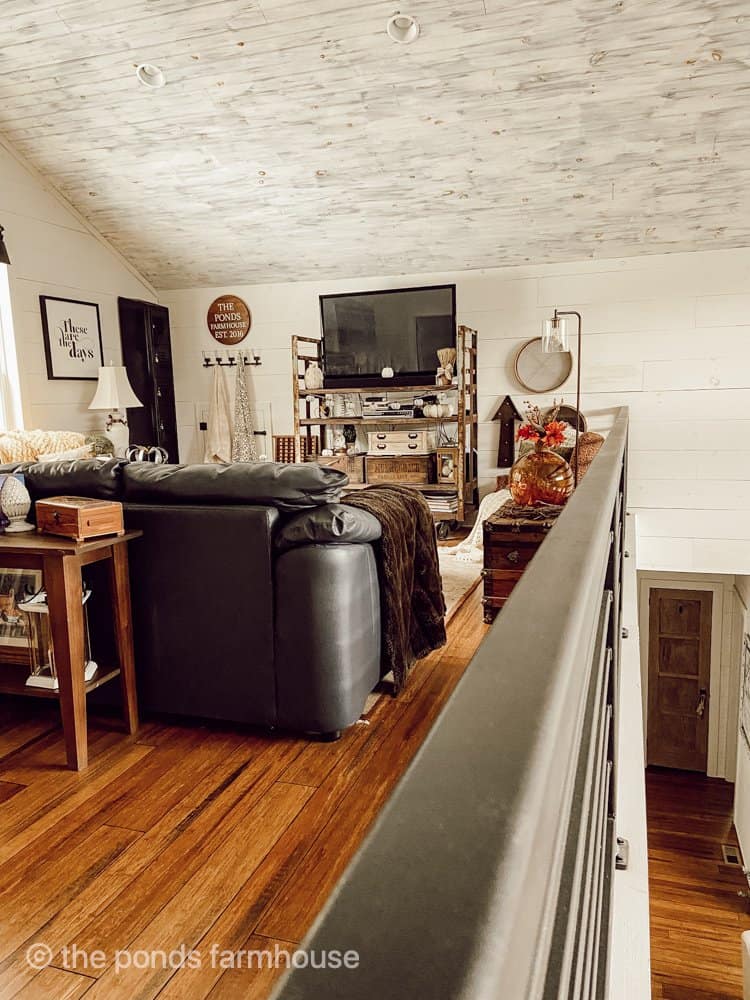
<point x="411" y="591"/>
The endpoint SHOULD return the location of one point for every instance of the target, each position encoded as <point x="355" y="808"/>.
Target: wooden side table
<point x="61" y="561"/>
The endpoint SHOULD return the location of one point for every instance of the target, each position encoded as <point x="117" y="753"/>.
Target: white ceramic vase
<point x="15" y="503"/>
<point x="313" y="376"/>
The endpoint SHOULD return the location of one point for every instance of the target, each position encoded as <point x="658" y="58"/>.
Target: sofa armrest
<point x="333" y="523"/>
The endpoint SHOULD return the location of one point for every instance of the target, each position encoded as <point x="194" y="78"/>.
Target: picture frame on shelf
<point x="16" y="585"/>
<point x="72" y="338"/>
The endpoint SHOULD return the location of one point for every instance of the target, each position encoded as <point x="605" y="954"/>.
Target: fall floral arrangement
<point x="548" y="434"/>
<point x="541" y="477"/>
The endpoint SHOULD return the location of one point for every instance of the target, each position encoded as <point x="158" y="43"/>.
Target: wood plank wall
<point x="54" y="252"/>
<point x="664" y="334"/>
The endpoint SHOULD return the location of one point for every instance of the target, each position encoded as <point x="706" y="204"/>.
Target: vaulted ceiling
<point x="294" y="139"/>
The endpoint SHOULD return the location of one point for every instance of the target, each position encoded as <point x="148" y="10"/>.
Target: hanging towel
<point x="243" y="442"/>
<point x="219" y="436"/>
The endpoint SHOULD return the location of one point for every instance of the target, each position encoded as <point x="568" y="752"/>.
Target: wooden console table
<point x="61" y="561"/>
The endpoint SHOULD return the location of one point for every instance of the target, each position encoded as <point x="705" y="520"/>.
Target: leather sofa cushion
<point x="330" y="524"/>
<point x="81" y="477"/>
<point x="203" y="612"/>
<point x="275" y="484"/>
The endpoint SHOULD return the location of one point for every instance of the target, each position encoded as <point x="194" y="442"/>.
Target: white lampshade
<point x="114" y="391"/>
<point x="555" y="335"/>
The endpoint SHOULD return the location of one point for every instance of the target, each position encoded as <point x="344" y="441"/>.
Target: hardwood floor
<point x="189" y="836"/>
<point x="697" y="912"/>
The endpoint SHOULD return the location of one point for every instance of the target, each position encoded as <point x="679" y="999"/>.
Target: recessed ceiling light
<point x="150" y="76"/>
<point x="402" y="28"/>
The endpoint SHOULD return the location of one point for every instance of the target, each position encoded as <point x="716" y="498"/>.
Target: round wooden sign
<point x="228" y="319"/>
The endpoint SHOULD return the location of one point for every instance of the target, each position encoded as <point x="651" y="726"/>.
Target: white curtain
<point x="11" y="412"/>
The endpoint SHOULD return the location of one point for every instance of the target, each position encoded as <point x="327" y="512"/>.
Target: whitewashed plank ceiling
<point x="294" y="140"/>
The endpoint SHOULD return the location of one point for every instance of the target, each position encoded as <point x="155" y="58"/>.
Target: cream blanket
<point x="471" y="549"/>
<point x="219" y="437"/>
<point x="27" y="446"/>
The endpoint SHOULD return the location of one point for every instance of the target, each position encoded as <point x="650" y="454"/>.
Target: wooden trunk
<point x="79" y="517"/>
<point x="510" y="543"/>
<point x="414" y="470"/>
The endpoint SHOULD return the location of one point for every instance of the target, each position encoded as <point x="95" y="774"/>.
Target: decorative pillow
<point x="67" y="456"/>
<point x="100" y="444"/>
<point x="24" y="446"/>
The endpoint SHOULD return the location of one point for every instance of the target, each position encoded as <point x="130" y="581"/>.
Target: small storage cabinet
<point x="510" y="543"/>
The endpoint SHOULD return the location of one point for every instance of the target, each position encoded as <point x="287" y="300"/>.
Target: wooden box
<point x="510" y="543"/>
<point x="79" y="517"/>
<point x="352" y="465"/>
<point x="411" y="470"/>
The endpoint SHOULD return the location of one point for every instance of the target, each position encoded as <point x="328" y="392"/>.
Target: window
<point x="11" y="414"/>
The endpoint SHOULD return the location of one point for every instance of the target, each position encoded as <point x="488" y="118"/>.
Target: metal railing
<point x="489" y="873"/>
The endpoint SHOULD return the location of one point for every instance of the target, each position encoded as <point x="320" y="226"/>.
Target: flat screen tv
<point x="401" y="328"/>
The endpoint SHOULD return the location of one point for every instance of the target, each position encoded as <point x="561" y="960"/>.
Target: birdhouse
<point x="507" y="414"/>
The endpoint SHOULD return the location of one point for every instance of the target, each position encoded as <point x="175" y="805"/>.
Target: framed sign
<point x="228" y="319"/>
<point x="72" y="338"/>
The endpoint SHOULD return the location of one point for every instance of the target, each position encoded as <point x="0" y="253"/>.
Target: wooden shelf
<point x="466" y="421"/>
<point x="376" y="390"/>
<point x="398" y="421"/>
<point x="427" y="487"/>
<point x="13" y="681"/>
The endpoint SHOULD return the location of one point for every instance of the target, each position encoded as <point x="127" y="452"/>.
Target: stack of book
<point x="378" y="406"/>
<point x="441" y="503"/>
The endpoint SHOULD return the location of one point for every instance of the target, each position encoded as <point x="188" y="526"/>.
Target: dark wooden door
<point x="147" y="356"/>
<point x="679" y="673"/>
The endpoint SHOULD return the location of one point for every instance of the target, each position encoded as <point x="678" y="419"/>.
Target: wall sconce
<point x="556" y="340"/>
<point x="4" y="258"/>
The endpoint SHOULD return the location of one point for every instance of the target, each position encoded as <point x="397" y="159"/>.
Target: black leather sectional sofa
<point x="255" y="594"/>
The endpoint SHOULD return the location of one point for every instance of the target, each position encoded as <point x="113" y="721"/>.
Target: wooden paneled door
<point x="679" y="671"/>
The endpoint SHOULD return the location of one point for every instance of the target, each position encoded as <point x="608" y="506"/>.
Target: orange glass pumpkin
<point x="540" y="476"/>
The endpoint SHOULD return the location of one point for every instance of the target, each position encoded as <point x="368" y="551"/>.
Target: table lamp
<point x="115" y="393"/>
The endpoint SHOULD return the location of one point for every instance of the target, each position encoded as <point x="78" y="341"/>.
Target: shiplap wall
<point x="665" y="334"/>
<point x="54" y="252"/>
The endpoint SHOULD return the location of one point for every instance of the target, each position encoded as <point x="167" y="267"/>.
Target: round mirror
<point x="540" y="372"/>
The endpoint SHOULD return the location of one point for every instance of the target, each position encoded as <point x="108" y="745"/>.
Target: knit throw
<point x="412" y="609"/>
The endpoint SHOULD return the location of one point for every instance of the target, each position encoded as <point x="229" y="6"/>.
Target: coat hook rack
<point x="230" y="359"/>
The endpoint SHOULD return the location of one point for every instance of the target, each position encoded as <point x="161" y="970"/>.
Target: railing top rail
<point x="453" y="893"/>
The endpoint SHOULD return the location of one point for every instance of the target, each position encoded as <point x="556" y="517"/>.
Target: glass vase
<point x="540" y="476"/>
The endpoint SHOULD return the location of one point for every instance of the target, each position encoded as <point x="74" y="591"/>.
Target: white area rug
<point x="460" y="578"/>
